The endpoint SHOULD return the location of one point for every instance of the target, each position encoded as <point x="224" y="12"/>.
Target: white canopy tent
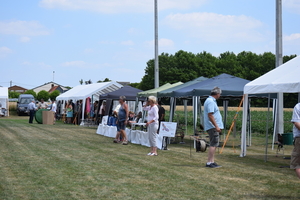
<point x="4" y="98"/>
<point x="284" y="78"/>
<point x="81" y="92"/>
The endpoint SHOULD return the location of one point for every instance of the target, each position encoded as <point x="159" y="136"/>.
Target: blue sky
<point x="97" y="39"/>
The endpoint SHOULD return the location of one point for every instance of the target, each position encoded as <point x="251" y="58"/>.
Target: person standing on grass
<point x="295" y="158"/>
<point x="122" y="121"/>
<point x="152" y="123"/>
<point x="213" y="124"/>
<point x="31" y="108"/>
<point x="53" y="109"/>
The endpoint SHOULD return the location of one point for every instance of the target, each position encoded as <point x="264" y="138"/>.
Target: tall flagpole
<point x="279" y="62"/>
<point x="156" y="67"/>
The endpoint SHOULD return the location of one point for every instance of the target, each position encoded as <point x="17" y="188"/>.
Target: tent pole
<point x="194" y="114"/>
<point x="136" y="105"/>
<point x="250" y="124"/>
<point x="267" y="131"/>
<point x="244" y="125"/>
<point x="185" y="113"/>
<point x="275" y="122"/>
<point x="83" y="110"/>
<point x="225" y="108"/>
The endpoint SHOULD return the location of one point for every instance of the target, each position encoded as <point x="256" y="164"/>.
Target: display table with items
<point x="137" y="134"/>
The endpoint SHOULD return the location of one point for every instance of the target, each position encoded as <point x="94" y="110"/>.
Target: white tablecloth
<point x="133" y="136"/>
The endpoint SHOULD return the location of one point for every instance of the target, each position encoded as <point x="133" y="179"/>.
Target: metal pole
<point x="156" y="67"/>
<point x="267" y="129"/>
<point x="279" y="61"/>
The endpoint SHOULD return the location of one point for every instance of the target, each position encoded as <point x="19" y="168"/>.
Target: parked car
<point x="23" y="101"/>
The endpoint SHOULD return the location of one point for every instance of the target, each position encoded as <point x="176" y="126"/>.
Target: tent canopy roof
<point x="129" y="92"/>
<point x="284" y="78"/>
<point x="3" y="92"/>
<point x="153" y="92"/>
<point x="84" y="91"/>
<point x="230" y="86"/>
<point x="170" y="92"/>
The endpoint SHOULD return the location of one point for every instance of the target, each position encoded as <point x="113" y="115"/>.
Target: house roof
<point x="53" y="88"/>
<point x="51" y="82"/>
<point x="14" y="87"/>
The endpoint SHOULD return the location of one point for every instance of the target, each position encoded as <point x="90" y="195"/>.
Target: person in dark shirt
<point x="161" y="114"/>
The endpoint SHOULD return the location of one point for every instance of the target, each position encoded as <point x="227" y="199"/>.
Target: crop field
<point x="64" y="161"/>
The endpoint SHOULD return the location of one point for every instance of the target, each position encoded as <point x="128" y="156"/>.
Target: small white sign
<point x="167" y="129"/>
<point x="104" y="120"/>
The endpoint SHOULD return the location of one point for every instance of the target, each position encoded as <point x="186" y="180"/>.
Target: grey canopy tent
<point x="231" y="87"/>
<point x="129" y="92"/>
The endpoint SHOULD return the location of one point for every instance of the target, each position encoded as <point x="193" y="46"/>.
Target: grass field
<point x="72" y="162"/>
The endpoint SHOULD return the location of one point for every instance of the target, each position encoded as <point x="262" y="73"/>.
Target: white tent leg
<point x="244" y="127"/>
<point x="280" y="129"/>
<point x="275" y="121"/>
<point x="267" y="130"/>
<point x="83" y="109"/>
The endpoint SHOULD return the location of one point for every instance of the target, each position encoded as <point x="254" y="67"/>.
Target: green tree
<point x="31" y="92"/>
<point x="135" y="85"/>
<point x="13" y="95"/>
<point x="42" y="95"/>
<point x="54" y="94"/>
<point x="105" y="80"/>
<point x="81" y="82"/>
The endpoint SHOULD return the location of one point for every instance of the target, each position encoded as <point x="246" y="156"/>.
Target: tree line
<point x="185" y="66"/>
<point x="43" y="94"/>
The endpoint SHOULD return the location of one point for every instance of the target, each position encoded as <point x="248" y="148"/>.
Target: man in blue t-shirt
<point x="213" y="124"/>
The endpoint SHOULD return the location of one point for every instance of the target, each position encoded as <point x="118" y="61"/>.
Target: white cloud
<point x="24" y="39"/>
<point x="292" y="37"/>
<point x="291" y="44"/>
<point x="214" y="27"/>
<point x="88" y="50"/>
<point x="127" y="43"/>
<point x="292" y="5"/>
<point x="82" y="64"/>
<point x="4" y="51"/>
<point x="28" y="28"/>
<point x="42" y="65"/>
<point x="162" y="43"/>
<point x="119" y="6"/>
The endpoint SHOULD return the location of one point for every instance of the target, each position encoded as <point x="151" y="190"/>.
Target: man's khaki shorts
<point x="295" y="158"/>
<point x="213" y="137"/>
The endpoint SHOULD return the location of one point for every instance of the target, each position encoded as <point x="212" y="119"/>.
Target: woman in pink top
<point x="152" y="123"/>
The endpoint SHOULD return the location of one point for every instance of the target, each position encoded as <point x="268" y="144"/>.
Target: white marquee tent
<point x="81" y="92"/>
<point x="284" y="78"/>
<point x="4" y="98"/>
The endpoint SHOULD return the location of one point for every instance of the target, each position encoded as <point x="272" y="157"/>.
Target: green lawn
<point x="72" y="162"/>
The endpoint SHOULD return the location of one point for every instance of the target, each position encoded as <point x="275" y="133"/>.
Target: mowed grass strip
<point x="72" y="162"/>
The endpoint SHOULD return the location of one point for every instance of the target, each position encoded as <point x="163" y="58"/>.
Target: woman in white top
<point x="152" y="123"/>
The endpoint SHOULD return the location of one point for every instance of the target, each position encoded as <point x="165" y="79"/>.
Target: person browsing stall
<point x="152" y="124"/>
<point x="122" y="120"/>
<point x="213" y="124"/>
<point x="31" y="109"/>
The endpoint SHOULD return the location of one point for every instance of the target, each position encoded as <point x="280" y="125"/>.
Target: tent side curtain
<point x="84" y="91"/>
<point x="284" y="78"/>
<point x="3" y="92"/>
